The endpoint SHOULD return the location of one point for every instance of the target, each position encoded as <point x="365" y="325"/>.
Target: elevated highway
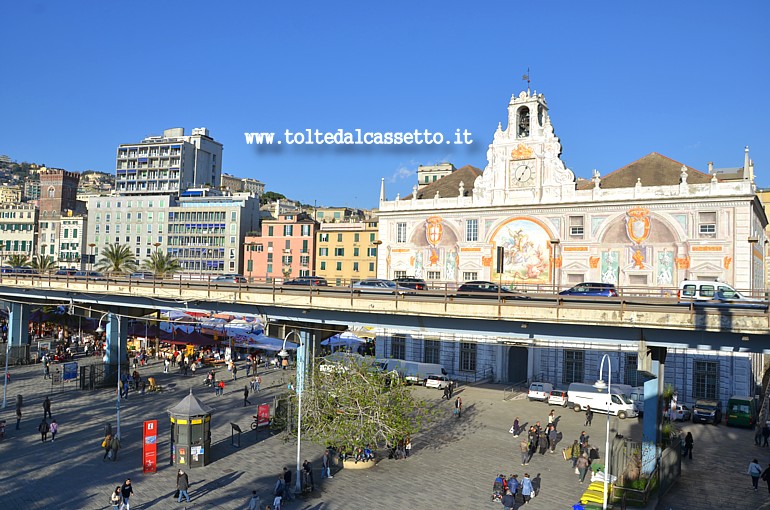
<point x="658" y="321"/>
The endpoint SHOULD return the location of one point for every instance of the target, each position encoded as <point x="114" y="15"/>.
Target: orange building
<point x="284" y="249"/>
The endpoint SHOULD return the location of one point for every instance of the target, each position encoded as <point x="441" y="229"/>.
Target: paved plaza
<point x="453" y="463"/>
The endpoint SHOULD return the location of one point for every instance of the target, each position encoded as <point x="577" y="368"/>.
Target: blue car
<point x="591" y="289"/>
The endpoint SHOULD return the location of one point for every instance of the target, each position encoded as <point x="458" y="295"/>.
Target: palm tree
<point x="162" y="264"/>
<point x="117" y="258"/>
<point x="17" y="260"/>
<point x="43" y="263"/>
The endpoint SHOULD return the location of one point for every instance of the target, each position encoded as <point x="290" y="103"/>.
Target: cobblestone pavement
<point x="453" y="463"/>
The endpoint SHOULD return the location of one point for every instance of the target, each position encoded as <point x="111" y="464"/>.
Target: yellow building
<point x="347" y="252"/>
<point x="10" y="194"/>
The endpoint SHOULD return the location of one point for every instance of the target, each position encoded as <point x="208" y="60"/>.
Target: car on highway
<point x="591" y="289"/>
<point x="19" y="270"/>
<point x="484" y="289"/>
<point x="142" y="275"/>
<point x="89" y="275"/>
<point x="230" y="278"/>
<point x="707" y="411"/>
<point x="66" y="272"/>
<point x="437" y="381"/>
<point x="309" y="281"/>
<point x="681" y="413"/>
<point x="412" y="283"/>
<point x="380" y="286"/>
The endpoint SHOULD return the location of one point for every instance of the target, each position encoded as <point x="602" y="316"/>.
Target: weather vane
<point x="526" y="78"/>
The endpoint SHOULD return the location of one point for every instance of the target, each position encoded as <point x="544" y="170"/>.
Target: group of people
<point x="506" y="490"/>
<point x="110" y="444"/>
<point x="538" y="438"/>
<point x="401" y="450"/>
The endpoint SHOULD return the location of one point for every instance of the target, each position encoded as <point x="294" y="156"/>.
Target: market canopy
<point x="260" y="341"/>
<point x="345" y="339"/>
<point x="194" y="338"/>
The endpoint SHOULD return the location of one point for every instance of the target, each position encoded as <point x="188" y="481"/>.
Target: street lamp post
<point x="298" y="388"/>
<point x="600" y="385"/>
<point x="376" y="244"/>
<point x="100" y="330"/>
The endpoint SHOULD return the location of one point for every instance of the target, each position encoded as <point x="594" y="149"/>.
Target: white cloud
<point x="404" y="171"/>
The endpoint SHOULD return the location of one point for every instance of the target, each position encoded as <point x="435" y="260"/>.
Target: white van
<point x="583" y="395"/>
<point x="706" y="290"/>
<point x="415" y="372"/>
<point x="539" y="391"/>
<point x="637" y="397"/>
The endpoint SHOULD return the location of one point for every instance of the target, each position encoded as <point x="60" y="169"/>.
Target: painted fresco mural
<point x="435" y="249"/>
<point x="610" y="267"/>
<point x="527" y="248"/>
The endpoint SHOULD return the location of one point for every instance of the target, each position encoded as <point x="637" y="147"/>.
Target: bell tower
<point x="523" y="159"/>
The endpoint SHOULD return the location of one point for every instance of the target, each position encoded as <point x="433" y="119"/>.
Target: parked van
<point x="583" y="395"/>
<point x="539" y="391"/>
<point x="741" y="412"/>
<point x="636" y="395"/>
<point x="413" y="372"/>
<point x="705" y="290"/>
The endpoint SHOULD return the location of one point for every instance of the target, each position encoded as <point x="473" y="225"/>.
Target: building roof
<point x="651" y="170"/>
<point x="190" y="406"/>
<point x="449" y="185"/>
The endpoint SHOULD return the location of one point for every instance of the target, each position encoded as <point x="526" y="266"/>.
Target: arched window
<point x="51" y="192"/>
<point x="522" y="125"/>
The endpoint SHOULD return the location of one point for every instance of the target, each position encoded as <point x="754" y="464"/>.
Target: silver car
<point x="380" y="286"/>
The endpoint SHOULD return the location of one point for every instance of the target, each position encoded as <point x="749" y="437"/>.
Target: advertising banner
<point x="149" y="446"/>
<point x="70" y="371"/>
<point x="263" y="415"/>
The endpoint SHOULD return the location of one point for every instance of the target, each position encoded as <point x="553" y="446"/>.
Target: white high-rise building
<point x="169" y="164"/>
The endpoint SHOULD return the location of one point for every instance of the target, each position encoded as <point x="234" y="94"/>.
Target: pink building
<point x="284" y="250"/>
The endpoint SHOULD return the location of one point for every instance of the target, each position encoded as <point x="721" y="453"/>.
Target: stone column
<point x="653" y="389"/>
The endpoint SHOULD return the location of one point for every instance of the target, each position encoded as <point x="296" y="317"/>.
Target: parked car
<point x="539" y="391"/>
<point x="558" y="398"/>
<point x="412" y="283"/>
<point x="230" y="278"/>
<point x="142" y="275"/>
<point x="312" y="281"/>
<point x="741" y="411"/>
<point x="707" y="411"/>
<point x="681" y="413"/>
<point x="591" y="289"/>
<point x="483" y="289"/>
<point x="89" y="275"/>
<point x="65" y="272"/>
<point x="19" y="270"/>
<point x="380" y="286"/>
<point x="437" y="381"/>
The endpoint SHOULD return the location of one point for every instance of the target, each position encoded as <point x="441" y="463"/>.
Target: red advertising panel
<point x="263" y="415"/>
<point x="149" y="446"/>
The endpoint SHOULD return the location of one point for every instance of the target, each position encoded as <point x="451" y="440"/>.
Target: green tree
<point x="43" y="263"/>
<point x="117" y="259"/>
<point x="270" y="196"/>
<point x="161" y="264"/>
<point x="355" y="405"/>
<point x="17" y="260"/>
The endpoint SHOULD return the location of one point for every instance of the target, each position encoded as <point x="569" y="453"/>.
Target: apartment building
<point x="169" y="163"/>
<point x="10" y="194"/>
<point x="284" y="248"/>
<point x="17" y="229"/>
<point x="347" y="252"/>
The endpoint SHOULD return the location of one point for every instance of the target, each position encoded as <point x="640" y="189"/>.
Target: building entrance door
<point x="517" y="364"/>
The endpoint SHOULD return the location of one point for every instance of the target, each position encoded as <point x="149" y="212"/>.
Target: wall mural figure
<point x="665" y="268"/>
<point x="610" y="267"/>
<point x="527" y="253"/>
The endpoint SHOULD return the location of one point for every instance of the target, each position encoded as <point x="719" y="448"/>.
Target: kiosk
<point x="190" y="433"/>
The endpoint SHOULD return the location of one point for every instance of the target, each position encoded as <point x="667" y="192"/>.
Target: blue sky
<point x="686" y="79"/>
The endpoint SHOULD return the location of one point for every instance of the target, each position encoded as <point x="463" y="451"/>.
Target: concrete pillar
<point x="116" y="331"/>
<point x="18" y="332"/>
<point x="653" y="389"/>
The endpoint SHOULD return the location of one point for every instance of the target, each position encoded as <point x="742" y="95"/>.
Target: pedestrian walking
<point x="524" y="447"/>
<point x="765" y="434"/>
<point x="515" y="427"/>
<point x="508" y="501"/>
<point x="235" y="372"/>
<point x="126" y="490"/>
<point x="407" y="447"/>
<point x="446" y="393"/>
<point x="255" y="503"/>
<point x="182" y="484"/>
<point x="114" y="447"/>
<point x="259" y="383"/>
<point x="553" y="436"/>
<point x="43" y="428"/>
<point x="326" y="470"/>
<point x="47" y="407"/>
<point x="287" y="492"/>
<point x="18" y="416"/>
<point x="458" y="406"/>
<point x="755" y="471"/>
<point x="688" y="445"/>
<point x="248" y="368"/>
<point x="589" y="416"/>
<point x="246" y="396"/>
<point x="766" y="476"/>
<point x="116" y="498"/>
<point x="221" y="388"/>
<point x="758" y="435"/>
<point x="106" y="444"/>
<point x="551" y="418"/>
<point x="46" y="370"/>
<point x="166" y="364"/>
<point x="582" y="465"/>
<point x="575" y="453"/>
<point x="527" y="492"/>
<point x="54" y="429"/>
<point x="307" y="472"/>
<point x="279" y="490"/>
